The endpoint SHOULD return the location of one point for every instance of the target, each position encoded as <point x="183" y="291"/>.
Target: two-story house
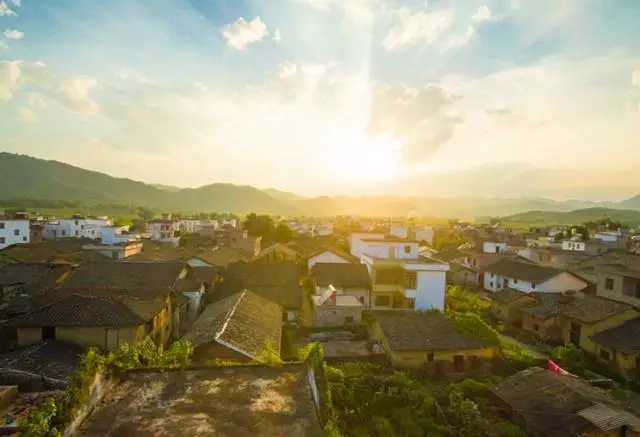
<point x="619" y="282"/>
<point x="527" y="277"/>
<point x="165" y="230"/>
<point x="77" y="226"/>
<point x="13" y="231"/>
<point x="400" y="277"/>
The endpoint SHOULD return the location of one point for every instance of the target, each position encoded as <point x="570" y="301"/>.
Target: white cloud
<point x="5" y="10"/>
<point x="37" y="100"/>
<point x="417" y="27"/>
<point x="635" y="78"/>
<point x="482" y="14"/>
<point x="242" y="33"/>
<point x="13" y="34"/>
<point x="276" y="36"/>
<point x="74" y="94"/>
<point x="18" y="3"/>
<point x="357" y="13"/>
<point x="10" y="75"/>
<point x="515" y="4"/>
<point x="458" y="41"/>
<point x="26" y="115"/>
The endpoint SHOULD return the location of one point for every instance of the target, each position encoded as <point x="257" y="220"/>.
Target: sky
<point x="493" y="98"/>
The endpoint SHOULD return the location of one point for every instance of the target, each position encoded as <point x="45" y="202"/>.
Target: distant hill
<point x="23" y="177"/>
<point x="283" y="195"/>
<point x="628" y="216"/>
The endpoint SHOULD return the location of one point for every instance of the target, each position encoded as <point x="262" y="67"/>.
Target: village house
<point x="336" y="309"/>
<point x="189" y="225"/>
<point x="237" y="328"/>
<point x="14" y="230"/>
<point x="549" y="404"/>
<point x="619" y="347"/>
<point x="278" y="282"/>
<point x="330" y="255"/>
<point x="359" y="240"/>
<point x="241" y="240"/>
<point x="463" y="276"/>
<point x="164" y="230"/>
<point x="506" y="305"/>
<point x="525" y="276"/>
<point x="345" y="279"/>
<point x="619" y="282"/>
<point x="430" y="342"/>
<point x="553" y="256"/>
<point x="400" y="277"/>
<point x="540" y="314"/>
<point x="278" y="252"/>
<point x="77" y="226"/>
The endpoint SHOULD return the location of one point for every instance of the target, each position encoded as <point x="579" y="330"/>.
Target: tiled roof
<point x="511" y="268"/>
<point x="40" y="275"/>
<point x="81" y="310"/>
<point x="507" y="295"/>
<point x="187" y="284"/>
<point x="449" y="255"/>
<point x="161" y="275"/>
<point x="245" y="321"/>
<point x="341" y="253"/>
<point x="548" y="404"/>
<point x="221" y="256"/>
<point x="277" y="281"/>
<point x="341" y="275"/>
<point x="52" y="359"/>
<point x="624" y="338"/>
<point x="592" y="309"/>
<point x="69" y="249"/>
<point x="547" y="304"/>
<point x="413" y="331"/>
<point x="204" y="274"/>
<point x="161" y="252"/>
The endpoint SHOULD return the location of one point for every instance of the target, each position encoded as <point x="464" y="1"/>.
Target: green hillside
<point x="630" y="217"/>
<point x="24" y="177"/>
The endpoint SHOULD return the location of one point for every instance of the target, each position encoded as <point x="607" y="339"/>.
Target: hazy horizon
<point x="491" y="98"/>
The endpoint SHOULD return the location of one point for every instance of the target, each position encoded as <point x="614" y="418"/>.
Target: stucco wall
<point x="326" y="257"/>
<point x="587" y="331"/>
<point x="430" y="291"/>
<point x="335" y="316"/>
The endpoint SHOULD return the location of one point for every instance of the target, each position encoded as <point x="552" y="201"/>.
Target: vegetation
<point x="445" y="239"/>
<point x="459" y="300"/>
<point x="264" y="226"/>
<point x="630" y="217"/>
<point x="370" y="401"/>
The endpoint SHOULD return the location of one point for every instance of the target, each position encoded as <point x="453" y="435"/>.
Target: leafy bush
<point x="269" y="355"/>
<point x="458" y="300"/>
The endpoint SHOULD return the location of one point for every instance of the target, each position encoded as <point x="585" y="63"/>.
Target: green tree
<point x="145" y="213"/>
<point x="283" y="234"/>
<point x="260" y="226"/>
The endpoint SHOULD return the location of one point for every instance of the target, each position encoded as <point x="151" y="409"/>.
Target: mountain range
<point x="25" y="177"/>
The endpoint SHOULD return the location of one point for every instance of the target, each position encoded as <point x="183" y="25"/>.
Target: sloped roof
<point x="32" y="274"/>
<point x="276" y="281"/>
<point x="82" y="310"/>
<point x="341" y="253"/>
<point x="341" y="275"/>
<point x="161" y="252"/>
<point x="624" y="338"/>
<point x="205" y="274"/>
<point x="414" y="331"/>
<point x="221" y="256"/>
<point x="68" y="249"/>
<point x="161" y="275"/>
<point x="525" y="271"/>
<point x="549" y="404"/>
<point x="547" y="304"/>
<point x="244" y="321"/>
<point x="592" y="309"/>
<point x="52" y="359"/>
<point x="507" y="295"/>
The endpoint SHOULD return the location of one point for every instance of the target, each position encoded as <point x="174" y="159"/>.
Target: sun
<point x="355" y="157"/>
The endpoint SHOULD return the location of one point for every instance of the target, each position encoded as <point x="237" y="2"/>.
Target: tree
<point x="260" y="226"/>
<point x="283" y="234"/>
<point x="145" y="213"/>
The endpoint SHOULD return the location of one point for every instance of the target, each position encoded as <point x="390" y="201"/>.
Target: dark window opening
<point x="49" y="333"/>
<point x="458" y="363"/>
<point x="605" y="355"/>
<point x="384" y="301"/>
<point x="407" y="249"/>
<point x="430" y="357"/>
<point x="608" y="284"/>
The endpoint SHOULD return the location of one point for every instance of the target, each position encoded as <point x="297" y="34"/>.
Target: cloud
<point x="482" y="14"/>
<point x="36" y="100"/>
<point x="26" y="115"/>
<point x="276" y="36"/>
<point x="417" y="27"/>
<point x="458" y="41"/>
<point x="13" y="34"/>
<point x="357" y="13"/>
<point x="5" y="10"/>
<point x="17" y="3"/>
<point x="424" y="119"/>
<point x="10" y="75"/>
<point x="74" y="94"/>
<point x="242" y="33"/>
<point x="635" y="78"/>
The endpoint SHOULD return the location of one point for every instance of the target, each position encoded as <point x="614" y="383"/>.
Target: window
<point x="75" y="222"/>
<point x="536" y="327"/>
<point x="16" y="232"/>
<point x="411" y="280"/>
<point x="348" y="320"/>
<point x="361" y="299"/>
<point x="458" y="363"/>
<point x="605" y="355"/>
<point x="491" y="284"/>
<point x="383" y="301"/>
<point x="77" y="233"/>
<point x="474" y="362"/>
<point x="608" y="284"/>
<point x="24" y="238"/>
<point x="533" y="285"/>
<point x="407" y="249"/>
<point x="430" y="357"/>
<point x="515" y="281"/>
<point x="64" y="233"/>
<point x="49" y="333"/>
<point x="1" y="225"/>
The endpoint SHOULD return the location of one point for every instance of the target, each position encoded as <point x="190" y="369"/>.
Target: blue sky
<point x="443" y="97"/>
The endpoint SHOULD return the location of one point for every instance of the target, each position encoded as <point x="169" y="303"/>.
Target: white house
<point x="358" y="240"/>
<point x="346" y="279"/>
<point x="323" y="230"/>
<point x="607" y="236"/>
<point x="401" y="278"/>
<point x="76" y="227"/>
<point x="164" y="230"/>
<point x="424" y="234"/>
<point x="574" y="246"/>
<point x="331" y="256"/>
<point x="527" y="277"/>
<point x="400" y="230"/>
<point x="13" y="231"/>
<point x="189" y="225"/>
<point x="494" y="247"/>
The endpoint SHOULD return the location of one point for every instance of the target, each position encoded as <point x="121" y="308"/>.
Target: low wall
<point x="100" y="386"/>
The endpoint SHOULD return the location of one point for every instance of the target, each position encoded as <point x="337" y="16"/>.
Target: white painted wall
<point x="323" y="230"/>
<point x="361" y="294"/>
<point x="494" y="247"/>
<point x="563" y="282"/>
<point x="608" y="237"/>
<point x="13" y="232"/>
<point x="391" y="250"/>
<point x="399" y="230"/>
<point x="189" y="225"/>
<point x="356" y="244"/>
<point x="559" y="283"/>
<point x="424" y="234"/>
<point x="431" y="290"/>
<point x="326" y="257"/>
<point x="575" y="246"/>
